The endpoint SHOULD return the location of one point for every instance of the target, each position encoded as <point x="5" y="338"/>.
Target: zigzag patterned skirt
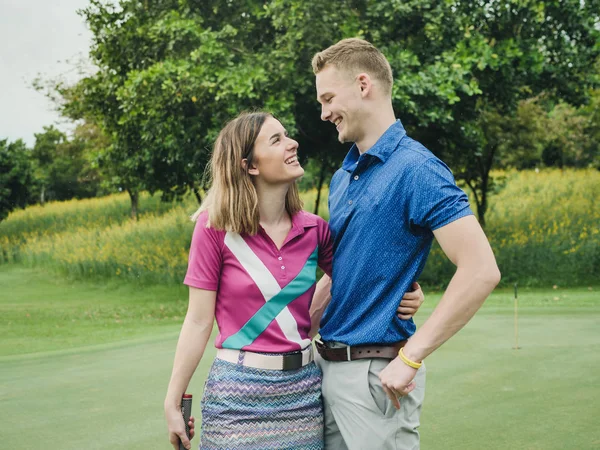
<point x="252" y="409"/>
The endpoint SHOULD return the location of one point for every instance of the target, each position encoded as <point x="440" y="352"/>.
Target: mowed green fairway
<point x="86" y="365"/>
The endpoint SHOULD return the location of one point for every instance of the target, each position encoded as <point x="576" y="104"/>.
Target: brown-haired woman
<point x="252" y="267"/>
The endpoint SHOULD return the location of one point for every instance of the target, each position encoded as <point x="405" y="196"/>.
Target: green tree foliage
<point x="63" y="167"/>
<point x="542" y="133"/>
<point x="15" y="176"/>
<point x="519" y="139"/>
<point x="171" y="73"/>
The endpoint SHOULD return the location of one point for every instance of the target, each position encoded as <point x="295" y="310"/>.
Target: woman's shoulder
<point x="203" y="226"/>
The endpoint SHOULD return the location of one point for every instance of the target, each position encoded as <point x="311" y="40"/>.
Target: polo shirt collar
<point x="383" y="148"/>
<point x="301" y="221"/>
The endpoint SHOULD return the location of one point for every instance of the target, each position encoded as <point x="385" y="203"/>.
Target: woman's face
<point x="275" y="158"/>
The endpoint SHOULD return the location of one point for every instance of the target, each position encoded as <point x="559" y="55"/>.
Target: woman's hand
<point x="176" y="428"/>
<point x="411" y="302"/>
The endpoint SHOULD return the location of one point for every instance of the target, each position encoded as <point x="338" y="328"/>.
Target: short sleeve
<point x="325" y="247"/>
<point x="435" y="199"/>
<point x="204" y="262"/>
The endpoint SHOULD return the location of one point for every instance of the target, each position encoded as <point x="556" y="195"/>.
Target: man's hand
<point x="397" y="380"/>
<point x="411" y="302"/>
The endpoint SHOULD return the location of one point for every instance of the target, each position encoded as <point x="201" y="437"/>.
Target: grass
<point x="74" y="375"/>
<point x="42" y="313"/>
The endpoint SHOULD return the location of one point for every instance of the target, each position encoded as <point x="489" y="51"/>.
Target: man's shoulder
<point x="411" y="150"/>
<point x="411" y="155"/>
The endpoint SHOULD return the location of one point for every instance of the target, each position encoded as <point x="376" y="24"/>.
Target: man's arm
<point x="465" y="244"/>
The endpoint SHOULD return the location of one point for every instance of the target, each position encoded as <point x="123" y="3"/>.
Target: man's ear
<point x="365" y="83"/>
<point x="252" y="170"/>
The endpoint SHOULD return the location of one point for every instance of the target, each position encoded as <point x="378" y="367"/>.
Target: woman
<point x="252" y="266"/>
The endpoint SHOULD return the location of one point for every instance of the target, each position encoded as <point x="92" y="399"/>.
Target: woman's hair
<point x="232" y="200"/>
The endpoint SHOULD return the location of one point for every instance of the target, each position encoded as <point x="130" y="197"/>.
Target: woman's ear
<point x="252" y="170"/>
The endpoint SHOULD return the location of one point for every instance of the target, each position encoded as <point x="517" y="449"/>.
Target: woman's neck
<point x="271" y="206"/>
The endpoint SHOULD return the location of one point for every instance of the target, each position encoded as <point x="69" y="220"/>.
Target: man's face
<point x="340" y="99"/>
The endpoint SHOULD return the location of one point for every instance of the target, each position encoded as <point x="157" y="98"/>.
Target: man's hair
<point x="232" y="200"/>
<point x="356" y="55"/>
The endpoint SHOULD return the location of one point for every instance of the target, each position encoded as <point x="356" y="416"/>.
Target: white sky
<point x="37" y="37"/>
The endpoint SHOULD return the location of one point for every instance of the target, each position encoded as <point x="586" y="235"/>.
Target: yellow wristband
<point x="408" y="362"/>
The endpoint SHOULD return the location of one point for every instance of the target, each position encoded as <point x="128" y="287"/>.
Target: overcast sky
<point x="37" y="37"/>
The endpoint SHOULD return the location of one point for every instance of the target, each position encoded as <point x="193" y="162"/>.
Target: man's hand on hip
<point x="397" y="380"/>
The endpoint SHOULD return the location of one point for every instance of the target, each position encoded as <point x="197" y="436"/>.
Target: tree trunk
<point x="43" y="196"/>
<point x="479" y="203"/>
<point x="197" y="194"/>
<point x="482" y="207"/>
<point x="319" y="187"/>
<point x="134" y="196"/>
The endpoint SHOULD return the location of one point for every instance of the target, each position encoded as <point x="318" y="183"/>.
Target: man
<point x="389" y="200"/>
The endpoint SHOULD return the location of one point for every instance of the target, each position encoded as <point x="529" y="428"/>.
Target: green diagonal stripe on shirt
<point x="271" y="309"/>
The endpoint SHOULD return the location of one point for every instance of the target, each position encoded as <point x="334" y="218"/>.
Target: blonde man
<point x="388" y="201"/>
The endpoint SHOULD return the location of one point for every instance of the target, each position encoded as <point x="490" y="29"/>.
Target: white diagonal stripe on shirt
<point x="267" y="284"/>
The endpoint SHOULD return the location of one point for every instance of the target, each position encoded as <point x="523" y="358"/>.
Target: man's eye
<point x="329" y="99"/>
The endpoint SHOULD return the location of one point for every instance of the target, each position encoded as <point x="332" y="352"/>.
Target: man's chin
<point x="346" y="135"/>
<point x="343" y="138"/>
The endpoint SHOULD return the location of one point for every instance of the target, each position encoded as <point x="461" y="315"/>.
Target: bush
<point x="543" y="227"/>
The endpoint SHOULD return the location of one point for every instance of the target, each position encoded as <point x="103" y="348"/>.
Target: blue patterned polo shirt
<point x="383" y="206"/>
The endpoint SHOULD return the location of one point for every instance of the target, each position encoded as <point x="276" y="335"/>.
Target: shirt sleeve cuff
<point x="459" y="215"/>
<point x="200" y="284"/>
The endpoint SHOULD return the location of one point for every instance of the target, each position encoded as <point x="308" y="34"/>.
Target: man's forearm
<point x="320" y="300"/>
<point x="465" y="294"/>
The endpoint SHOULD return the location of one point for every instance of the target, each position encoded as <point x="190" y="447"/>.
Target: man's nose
<point x="325" y="113"/>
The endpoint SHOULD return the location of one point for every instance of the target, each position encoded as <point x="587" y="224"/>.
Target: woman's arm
<point x="320" y="300"/>
<point x="194" y="335"/>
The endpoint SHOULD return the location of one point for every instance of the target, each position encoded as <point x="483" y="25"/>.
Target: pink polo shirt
<point x="248" y="271"/>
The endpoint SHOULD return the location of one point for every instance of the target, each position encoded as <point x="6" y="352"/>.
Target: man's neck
<point x="377" y="125"/>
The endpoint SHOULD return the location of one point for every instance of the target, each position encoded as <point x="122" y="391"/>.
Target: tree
<point x="43" y="155"/>
<point x="473" y="59"/>
<point x="171" y="73"/>
<point x="522" y="138"/>
<point x="63" y="168"/>
<point x="15" y="176"/>
<point x="545" y="133"/>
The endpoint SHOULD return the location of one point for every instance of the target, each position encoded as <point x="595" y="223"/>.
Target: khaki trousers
<point x="359" y="415"/>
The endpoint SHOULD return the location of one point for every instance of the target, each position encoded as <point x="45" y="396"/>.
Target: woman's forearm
<point x="190" y="348"/>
